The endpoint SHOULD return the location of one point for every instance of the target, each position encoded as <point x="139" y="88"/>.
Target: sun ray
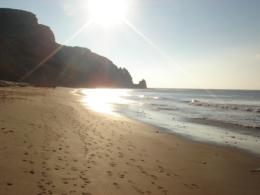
<point x="164" y="54"/>
<point x="56" y="51"/>
<point x="107" y="12"/>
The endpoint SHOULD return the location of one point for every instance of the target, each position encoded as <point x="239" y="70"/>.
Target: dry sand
<point x="51" y="144"/>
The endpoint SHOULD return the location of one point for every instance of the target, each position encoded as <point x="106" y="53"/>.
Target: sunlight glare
<point x="107" y="12"/>
<point x="103" y="100"/>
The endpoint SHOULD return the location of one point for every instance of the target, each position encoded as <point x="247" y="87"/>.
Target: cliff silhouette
<point x="29" y="53"/>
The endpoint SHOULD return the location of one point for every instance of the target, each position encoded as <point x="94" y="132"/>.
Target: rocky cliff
<point x="29" y="53"/>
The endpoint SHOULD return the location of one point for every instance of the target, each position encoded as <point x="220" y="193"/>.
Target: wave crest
<point x="240" y="107"/>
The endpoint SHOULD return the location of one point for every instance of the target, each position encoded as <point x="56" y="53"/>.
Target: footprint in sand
<point x="116" y="185"/>
<point x="153" y="177"/>
<point x="9" y="184"/>
<point x="83" y="186"/>
<point x="31" y="162"/>
<point x="138" y="190"/>
<point x="160" y="187"/>
<point x="191" y="186"/>
<point x="122" y="176"/>
<point x="109" y="173"/>
<point x="160" y="169"/>
<point x="120" y="155"/>
<point x="112" y="164"/>
<point x="195" y="186"/>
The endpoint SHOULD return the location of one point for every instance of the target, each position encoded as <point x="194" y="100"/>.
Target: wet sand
<point x="52" y="144"/>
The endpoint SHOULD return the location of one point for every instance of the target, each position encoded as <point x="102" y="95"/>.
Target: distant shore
<point x="52" y="144"/>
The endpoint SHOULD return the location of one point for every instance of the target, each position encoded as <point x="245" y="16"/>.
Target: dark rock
<point x="29" y="53"/>
<point x="141" y="85"/>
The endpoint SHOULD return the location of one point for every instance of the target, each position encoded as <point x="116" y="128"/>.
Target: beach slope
<point x="52" y="144"/>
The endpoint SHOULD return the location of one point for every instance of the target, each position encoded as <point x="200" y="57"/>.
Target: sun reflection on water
<point x="103" y="100"/>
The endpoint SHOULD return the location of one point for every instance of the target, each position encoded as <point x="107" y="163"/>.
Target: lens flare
<point x="103" y="100"/>
<point x="107" y="12"/>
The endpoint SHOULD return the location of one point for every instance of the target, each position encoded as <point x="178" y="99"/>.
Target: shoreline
<point x="52" y="144"/>
<point x="224" y="125"/>
<point x="220" y="132"/>
<point x="161" y="130"/>
<point x="208" y="123"/>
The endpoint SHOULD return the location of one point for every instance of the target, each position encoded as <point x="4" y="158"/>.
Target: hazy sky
<point x="192" y="43"/>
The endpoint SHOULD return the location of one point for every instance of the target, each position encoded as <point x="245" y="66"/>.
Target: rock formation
<point x="29" y="53"/>
<point x="141" y="84"/>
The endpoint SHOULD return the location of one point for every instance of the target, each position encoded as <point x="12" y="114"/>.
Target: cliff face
<point x="29" y="53"/>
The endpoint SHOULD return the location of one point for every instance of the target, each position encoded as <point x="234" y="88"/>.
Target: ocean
<point x="224" y="117"/>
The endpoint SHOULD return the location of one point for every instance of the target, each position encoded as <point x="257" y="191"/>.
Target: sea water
<point x="226" y="117"/>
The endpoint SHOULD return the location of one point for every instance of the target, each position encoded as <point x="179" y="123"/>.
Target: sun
<point x="107" y="12"/>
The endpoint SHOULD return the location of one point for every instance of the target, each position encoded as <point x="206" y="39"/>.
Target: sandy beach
<point x="52" y="144"/>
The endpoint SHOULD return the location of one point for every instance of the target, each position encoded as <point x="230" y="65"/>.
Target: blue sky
<point x="196" y="43"/>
